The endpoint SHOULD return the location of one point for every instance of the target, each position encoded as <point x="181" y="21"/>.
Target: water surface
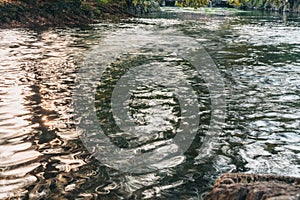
<point x="42" y="156"/>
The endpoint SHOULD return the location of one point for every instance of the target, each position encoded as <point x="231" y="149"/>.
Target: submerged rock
<point x="255" y="187"/>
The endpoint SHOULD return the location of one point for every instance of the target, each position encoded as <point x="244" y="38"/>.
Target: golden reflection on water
<point x="32" y="110"/>
<point x="18" y="157"/>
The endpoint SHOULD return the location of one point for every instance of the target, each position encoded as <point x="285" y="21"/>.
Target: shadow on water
<point x="41" y="156"/>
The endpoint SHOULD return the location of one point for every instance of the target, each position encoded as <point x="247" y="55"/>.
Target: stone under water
<point x="255" y="187"/>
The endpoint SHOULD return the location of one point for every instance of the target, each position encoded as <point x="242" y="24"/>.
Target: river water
<point x="52" y="80"/>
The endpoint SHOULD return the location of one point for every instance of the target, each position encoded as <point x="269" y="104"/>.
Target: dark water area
<point x="43" y="154"/>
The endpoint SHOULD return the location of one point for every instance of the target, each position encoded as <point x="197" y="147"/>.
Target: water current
<point x="148" y="108"/>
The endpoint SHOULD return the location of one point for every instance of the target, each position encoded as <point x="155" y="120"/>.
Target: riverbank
<point x="280" y="6"/>
<point x="14" y="14"/>
<point x="204" y="10"/>
<point x="62" y="13"/>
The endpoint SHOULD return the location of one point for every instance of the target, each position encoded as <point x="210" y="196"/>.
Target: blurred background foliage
<point x="292" y="5"/>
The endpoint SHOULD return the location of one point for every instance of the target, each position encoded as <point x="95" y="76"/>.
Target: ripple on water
<point x="41" y="156"/>
<point x="35" y="91"/>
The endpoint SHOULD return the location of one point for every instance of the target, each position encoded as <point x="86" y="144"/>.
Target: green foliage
<point x="202" y="3"/>
<point x="237" y="2"/>
<point x="141" y="6"/>
<point x="103" y="1"/>
<point x="193" y="3"/>
<point x="145" y="3"/>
